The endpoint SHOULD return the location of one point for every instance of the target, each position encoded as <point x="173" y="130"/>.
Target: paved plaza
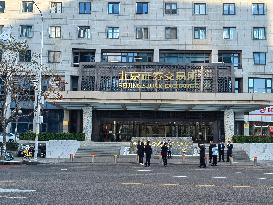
<point x="130" y="183"/>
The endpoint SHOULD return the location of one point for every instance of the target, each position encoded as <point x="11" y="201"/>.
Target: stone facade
<point x="229" y="124"/>
<point x="87" y="122"/>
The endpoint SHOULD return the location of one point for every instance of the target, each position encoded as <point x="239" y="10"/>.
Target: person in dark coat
<point x="202" y="155"/>
<point x="148" y="151"/>
<point x="169" y="149"/>
<point x="210" y="151"/>
<point x="221" y="150"/>
<point x="229" y="150"/>
<point x="140" y="152"/>
<point x="164" y="152"/>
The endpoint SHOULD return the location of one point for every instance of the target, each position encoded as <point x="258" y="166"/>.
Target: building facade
<point x="151" y="68"/>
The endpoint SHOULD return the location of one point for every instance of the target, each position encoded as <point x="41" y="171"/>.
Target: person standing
<point x="229" y="150"/>
<point x="164" y="151"/>
<point x="202" y="155"/>
<point x="140" y="152"/>
<point x="214" y="155"/>
<point x="221" y="150"/>
<point x="148" y="152"/>
<point x="210" y="150"/>
<point x="169" y="149"/>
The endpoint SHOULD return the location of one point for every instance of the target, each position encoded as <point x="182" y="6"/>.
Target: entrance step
<point x="100" y="148"/>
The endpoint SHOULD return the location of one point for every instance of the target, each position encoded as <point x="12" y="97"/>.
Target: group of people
<point x="147" y="151"/>
<point x="214" y="152"/>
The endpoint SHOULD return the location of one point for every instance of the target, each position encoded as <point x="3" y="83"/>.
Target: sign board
<point x="263" y="111"/>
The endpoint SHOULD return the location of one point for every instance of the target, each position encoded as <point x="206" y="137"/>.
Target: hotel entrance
<point x="157" y="124"/>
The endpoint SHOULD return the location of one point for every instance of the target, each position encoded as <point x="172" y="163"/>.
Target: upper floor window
<point x="26" y="31"/>
<point x="25" y="56"/>
<point x="199" y="8"/>
<point x="142" y="8"/>
<point x="199" y="32"/>
<point x="54" y="56"/>
<point x="113" y="7"/>
<point x="259" y="58"/>
<point x="142" y="33"/>
<point x="260" y="85"/>
<point x="27" y="6"/>
<point x="233" y="57"/>
<point x="84" y="32"/>
<point x="258" y="9"/>
<point x="2" y="6"/>
<point x="229" y="9"/>
<point x="126" y="56"/>
<point x="113" y="32"/>
<point x="56" y="7"/>
<point x="54" y="32"/>
<point x="229" y="32"/>
<point x="82" y="55"/>
<point x="85" y="7"/>
<point x="170" y="8"/>
<point x="259" y="33"/>
<point x="184" y="57"/>
<point x="170" y="33"/>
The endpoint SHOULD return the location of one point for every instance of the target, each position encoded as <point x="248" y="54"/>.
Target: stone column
<point x="66" y="121"/>
<point x="229" y="124"/>
<point x="98" y="55"/>
<point x="214" y="56"/>
<point x="246" y="125"/>
<point x="67" y="79"/>
<point x="156" y="55"/>
<point x="87" y="122"/>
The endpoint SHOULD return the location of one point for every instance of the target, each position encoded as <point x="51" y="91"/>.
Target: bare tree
<point x="18" y="81"/>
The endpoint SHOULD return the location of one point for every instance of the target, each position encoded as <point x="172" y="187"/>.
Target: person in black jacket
<point x="221" y="149"/>
<point x="229" y="150"/>
<point x="210" y="150"/>
<point x="140" y="152"/>
<point x="164" y="151"/>
<point x="202" y="155"/>
<point x="148" y="151"/>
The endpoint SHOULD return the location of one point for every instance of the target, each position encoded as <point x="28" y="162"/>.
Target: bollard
<point x="183" y="156"/>
<point x="115" y="158"/>
<point x="71" y="156"/>
<point x="255" y="161"/>
<point x="93" y="157"/>
<point x="230" y="160"/>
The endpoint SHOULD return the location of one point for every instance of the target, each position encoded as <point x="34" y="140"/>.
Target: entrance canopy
<point x="165" y="101"/>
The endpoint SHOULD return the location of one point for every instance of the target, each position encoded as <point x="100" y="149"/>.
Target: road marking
<point x="268" y="173"/>
<point x="262" y="178"/>
<point x="144" y="170"/>
<point x="238" y="172"/>
<point x="63" y="169"/>
<point x="14" y="190"/>
<point x="238" y="186"/>
<point x="203" y="169"/>
<point x="13" y="197"/>
<point x="131" y="183"/>
<point x="180" y="176"/>
<point x="170" y="184"/>
<point x="205" y="185"/>
<point x="219" y="177"/>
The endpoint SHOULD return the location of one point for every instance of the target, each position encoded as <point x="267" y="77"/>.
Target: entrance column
<point x="246" y="125"/>
<point x="66" y="121"/>
<point x="87" y="122"/>
<point x="229" y="124"/>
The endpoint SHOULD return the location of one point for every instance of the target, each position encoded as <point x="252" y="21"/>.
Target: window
<point x="27" y="6"/>
<point x="85" y="7"/>
<point x="259" y="58"/>
<point x="26" y="31"/>
<point x="233" y="57"/>
<point x="199" y="9"/>
<point x="184" y="57"/>
<point x="170" y="33"/>
<point x="260" y="85"/>
<point x="113" y="8"/>
<point x="170" y="8"/>
<point x="142" y="33"/>
<point x="228" y="9"/>
<point x="84" y="32"/>
<point x="1" y="28"/>
<point x="25" y="56"/>
<point x="82" y="55"/>
<point x="54" y="32"/>
<point x="259" y="33"/>
<point x="258" y="9"/>
<point x="54" y="56"/>
<point x="199" y="32"/>
<point x="229" y="32"/>
<point x="141" y="8"/>
<point x="113" y="32"/>
<point x="238" y="85"/>
<point x="2" y="6"/>
<point x="56" y="7"/>
<point x="127" y="56"/>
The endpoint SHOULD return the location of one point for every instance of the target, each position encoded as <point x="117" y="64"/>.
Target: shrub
<point x="11" y="146"/>
<point x="252" y="139"/>
<point x="53" y="136"/>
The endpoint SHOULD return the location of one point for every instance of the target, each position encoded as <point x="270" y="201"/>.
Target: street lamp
<point x="38" y="89"/>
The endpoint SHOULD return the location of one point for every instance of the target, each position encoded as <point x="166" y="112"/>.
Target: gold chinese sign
<point x="158" y="80"/>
